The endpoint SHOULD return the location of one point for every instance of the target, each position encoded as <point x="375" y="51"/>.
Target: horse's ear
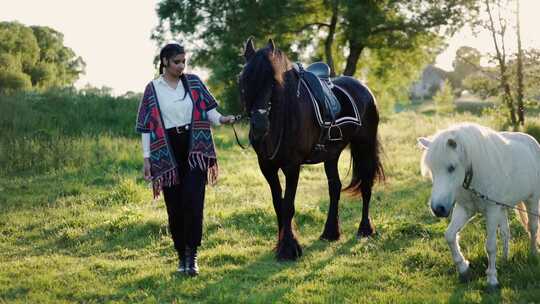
<point x="451" y="143"/>
<point x="271" y="45"/>
<point x="423" y="143"/>
<point x="249" y="50"/>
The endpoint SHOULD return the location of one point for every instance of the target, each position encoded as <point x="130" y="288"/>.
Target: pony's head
<point x="261" y="76"/>
<point x="444" y="161"/>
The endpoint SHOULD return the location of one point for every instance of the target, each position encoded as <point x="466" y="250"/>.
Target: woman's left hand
<point x="229" y="119"/>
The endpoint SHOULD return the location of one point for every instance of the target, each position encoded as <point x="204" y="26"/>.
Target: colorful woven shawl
<point x="202" y="154"/>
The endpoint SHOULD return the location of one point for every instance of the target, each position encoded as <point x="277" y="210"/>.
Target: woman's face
<point x="175" y="65"/>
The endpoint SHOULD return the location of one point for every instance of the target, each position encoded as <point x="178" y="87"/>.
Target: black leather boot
<point x="191" y="261"/>
<point x="182" y="263"/>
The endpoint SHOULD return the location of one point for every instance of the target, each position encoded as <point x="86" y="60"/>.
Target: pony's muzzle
<point x="440" y="210"/>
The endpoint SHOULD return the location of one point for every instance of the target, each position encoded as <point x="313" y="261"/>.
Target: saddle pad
<point x="340" y="120"/>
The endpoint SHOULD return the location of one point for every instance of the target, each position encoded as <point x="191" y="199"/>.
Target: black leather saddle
<point x="317" y="78"/>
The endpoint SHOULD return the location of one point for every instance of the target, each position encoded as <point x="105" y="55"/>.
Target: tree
<point x="338" y="31"/>
<point x="396" y="24"/>
<point x="35" y="57"/>
<point x="465" y="64"/>
<point x="498" y="32"/>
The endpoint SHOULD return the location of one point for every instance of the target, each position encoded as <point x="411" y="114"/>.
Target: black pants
<point x="185" y="201"/>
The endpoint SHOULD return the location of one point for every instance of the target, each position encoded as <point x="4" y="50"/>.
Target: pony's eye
<point x="451" y="169"/>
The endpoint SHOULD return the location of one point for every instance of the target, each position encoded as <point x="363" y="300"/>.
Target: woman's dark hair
<point x="169" y="51"/>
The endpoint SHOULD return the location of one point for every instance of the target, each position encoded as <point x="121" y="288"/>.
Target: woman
<point x="179" y="156"/>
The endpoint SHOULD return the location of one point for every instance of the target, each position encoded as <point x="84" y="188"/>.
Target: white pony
<point x="502" y="166"/>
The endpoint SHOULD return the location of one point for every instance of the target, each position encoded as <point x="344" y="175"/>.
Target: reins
<point x="467" y="186"/>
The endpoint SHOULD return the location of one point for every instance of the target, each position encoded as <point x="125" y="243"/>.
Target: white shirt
<point x="176" y="108"/>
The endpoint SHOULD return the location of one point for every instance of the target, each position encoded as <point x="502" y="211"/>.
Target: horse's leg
<point x="493" y="217"/>
<point x="505" y="234"/>
<point x="460" y="217"/>
<point x="532" y="207"/>
<point x="331" y="228"/>
<point x="365" y="229"/>
<point x="288" y="247"/>
<point x="270" y="172"/>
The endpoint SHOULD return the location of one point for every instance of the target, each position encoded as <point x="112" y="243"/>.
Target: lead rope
<point x="237" y="118"/>
<point x="467" y="186"/>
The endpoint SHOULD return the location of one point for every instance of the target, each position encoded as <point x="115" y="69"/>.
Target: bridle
<point x="264" y="111"/>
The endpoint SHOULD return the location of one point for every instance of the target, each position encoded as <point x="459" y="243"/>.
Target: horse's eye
<point x="451" y="169"/>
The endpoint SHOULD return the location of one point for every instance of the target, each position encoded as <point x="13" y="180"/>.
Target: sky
<point x="113" y="36"/>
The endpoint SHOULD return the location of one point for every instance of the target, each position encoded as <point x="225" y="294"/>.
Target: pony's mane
<point x="483" y="148"/>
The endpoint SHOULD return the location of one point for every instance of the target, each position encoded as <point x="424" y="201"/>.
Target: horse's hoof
<point x="330" y="236"/>
<point x="493" y="288"/>
<point x="365" y="233"/>
<point x="365" y="230"/>
<point x="466" y="276"/>
<point x="289" y="250"/>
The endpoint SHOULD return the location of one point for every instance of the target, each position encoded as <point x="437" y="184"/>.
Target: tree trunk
<point x="501" y="58"/>
<point x="355" y="50"/>
<point x="330" y="39"/>
<point x="519" y="95"/>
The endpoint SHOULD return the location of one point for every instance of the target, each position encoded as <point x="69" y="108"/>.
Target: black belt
<point x="179" y="129"/>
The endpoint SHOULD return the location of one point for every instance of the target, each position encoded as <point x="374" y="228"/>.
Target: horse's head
<point x="444" y="161"/>
<point x="261" y="75"/>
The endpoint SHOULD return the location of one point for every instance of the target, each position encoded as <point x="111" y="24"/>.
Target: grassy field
<point x="77" y="222"/>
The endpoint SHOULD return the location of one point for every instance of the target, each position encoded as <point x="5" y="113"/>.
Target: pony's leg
<point x="532" y="207"/>
<point x="288" y="247"/>
<point x="460" y="217"/>
<point x="493" y="218"/>
<point x="365" y="229"/>
<point x="331" y="228"/>
<point x="505" y="234"/>
<point x="270" y="173"/>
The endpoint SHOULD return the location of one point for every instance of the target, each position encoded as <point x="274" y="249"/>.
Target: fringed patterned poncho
<point x="202" y="154"/>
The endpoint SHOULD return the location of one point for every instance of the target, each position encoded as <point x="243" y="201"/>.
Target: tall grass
<point x="78" y="224"/>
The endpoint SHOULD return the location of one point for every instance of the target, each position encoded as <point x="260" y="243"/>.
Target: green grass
<point x="78" y="223"/>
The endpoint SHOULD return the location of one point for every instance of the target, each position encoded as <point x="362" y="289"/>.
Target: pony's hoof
<point x="330" y="236"/>
<point x="466" y="276"/>
<point x="493" y="288"/>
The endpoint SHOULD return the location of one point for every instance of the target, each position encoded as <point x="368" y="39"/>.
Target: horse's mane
<point x="483" y="148"/>
<point x="267" y="67"/>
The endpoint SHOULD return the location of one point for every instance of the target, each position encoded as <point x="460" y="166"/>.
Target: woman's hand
<point x="146" y="169"/>
<point x="229" y="119"/>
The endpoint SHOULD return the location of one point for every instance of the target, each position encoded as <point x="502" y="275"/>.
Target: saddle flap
<point x="324" y="96"/>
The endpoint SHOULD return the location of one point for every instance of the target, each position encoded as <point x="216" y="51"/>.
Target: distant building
<point x="430" y="82"/>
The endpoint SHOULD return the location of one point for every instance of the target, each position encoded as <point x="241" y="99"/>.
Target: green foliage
<point x="390" y="72"/>
<point x="217" y="30"/>
<point x="532" y="127"/>
<point x="35" y="57"/>
<point x="466" y="63"/>
<point x="444" y="99"/>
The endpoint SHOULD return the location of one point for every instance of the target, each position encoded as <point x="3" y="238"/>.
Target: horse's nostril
<point x="440" y="211"/>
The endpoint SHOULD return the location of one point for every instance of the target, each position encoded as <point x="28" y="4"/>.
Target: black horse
<point x="284" y="133"/>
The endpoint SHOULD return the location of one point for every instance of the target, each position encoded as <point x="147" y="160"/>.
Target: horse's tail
<point x="522" y="215"/>
<point x="365" y="152"/>
<point x="524" y="219"/>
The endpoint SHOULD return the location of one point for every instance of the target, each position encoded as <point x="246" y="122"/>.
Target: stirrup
<point x="340" y="137"/>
